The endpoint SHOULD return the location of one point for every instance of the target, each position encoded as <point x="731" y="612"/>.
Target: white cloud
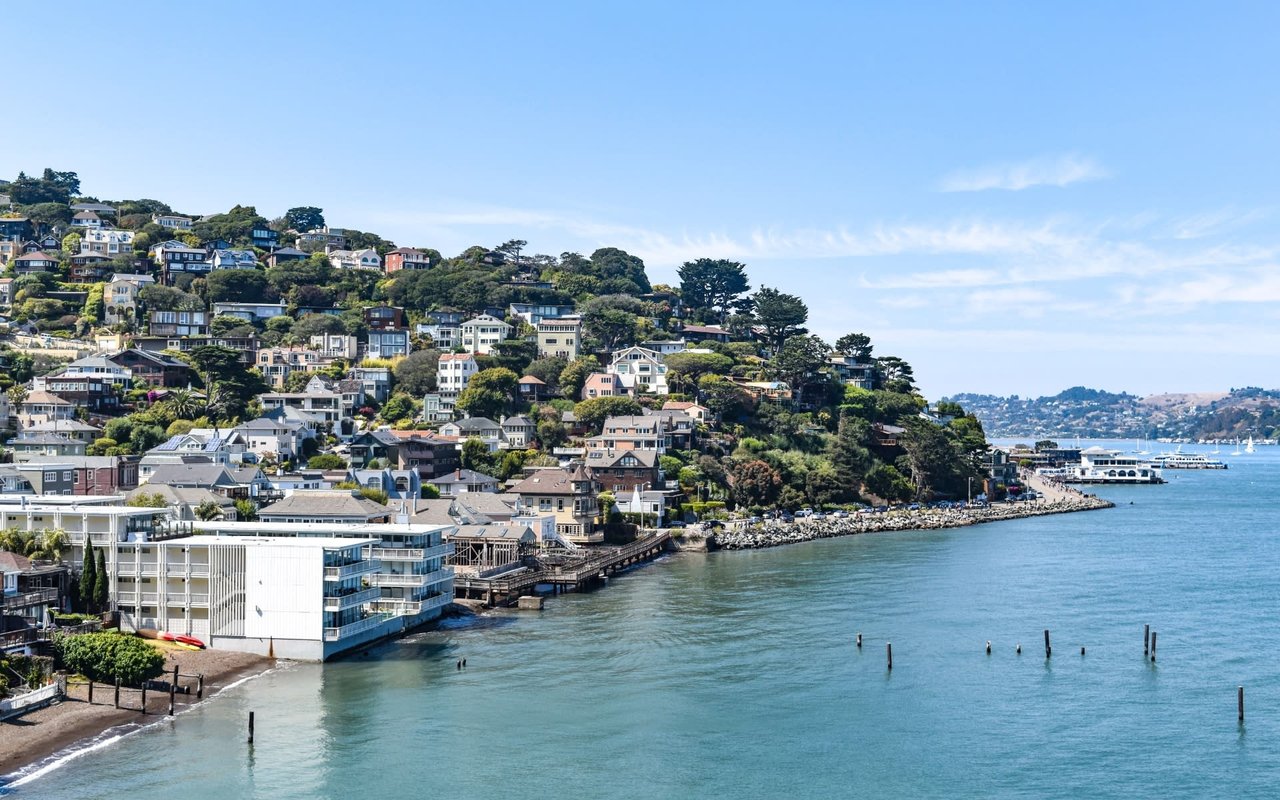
<point x="1048" y="171"/>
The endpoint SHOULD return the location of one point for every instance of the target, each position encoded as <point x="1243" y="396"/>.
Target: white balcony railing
<point x="351" y="570"/>
<point x="352" y="600"/>
<point x="368" y="623"/>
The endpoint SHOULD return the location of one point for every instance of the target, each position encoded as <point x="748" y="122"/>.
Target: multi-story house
<point x="16" y="228"/>
<point x="375" y="380"/>
<point x="282" y="438"/>
<point x="482" y="428"/>
<point x="444" y="335"/>
<point x="560" y="337"/>
<point x="250" y="312"/>
<point x="332" y="406"/>
<point x="568" y="494"/>
<point x="178" y="323"/>
<point x="263" y="237"/>
<point x="533" y="313"/>
<point x="632" y="433"/>
<point x="277" y="363"/>
<point x="453" y="373"/>
<point x="38" y="261"/>
<point x="173" y="222"/>
<point x="388" y="343"/>
<point x="247" y="345"/>
<point x="849" y="371"/>
<point x="155" y="369"/>
<point x="641" y="371"/>
<point x="604" y="384"/>
<point x="336" y="345"/>
<point x="121" y="296"/>
<point x="284" y="255"/>
<point x="366" y="258"/>
<point x="384" y="318"/>
<point x="175" y="258"/>
<point x="621" y="471"/>
<point x="518" y="432"/>
<point x="31" y="445"/>
<point x="461" y="481"/>
<point x="406" y="258"/>
<point x="322" y="238"/>
<point x="430" y="454"/>
<point x="70" y="428"/>
<point x="41" y="406"/>
<point x="479" y="335"/>
<point x="233" y="259"/>
<point x="89" y="267"/>
<point x="187" y="448"/>
<point x="107" y="242"/>
<point x="86" y="219"/>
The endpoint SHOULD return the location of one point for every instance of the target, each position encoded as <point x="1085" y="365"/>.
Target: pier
<point x="571" y="575"/>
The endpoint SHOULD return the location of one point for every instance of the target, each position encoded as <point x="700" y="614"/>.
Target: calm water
<point x="735" y="675"/>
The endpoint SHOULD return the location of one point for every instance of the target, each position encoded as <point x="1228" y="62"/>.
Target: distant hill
<point x="1092" y="413"/>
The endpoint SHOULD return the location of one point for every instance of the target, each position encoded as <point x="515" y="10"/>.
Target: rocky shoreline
<point x="775" y="534"/>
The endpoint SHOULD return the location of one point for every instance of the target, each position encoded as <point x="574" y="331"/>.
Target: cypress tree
<point x="88" y="578"/>
<point x="100" y="594"/>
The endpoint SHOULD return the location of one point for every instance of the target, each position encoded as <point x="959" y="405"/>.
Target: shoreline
<point x="47" y="738"/>
<point x="777" y="534"/>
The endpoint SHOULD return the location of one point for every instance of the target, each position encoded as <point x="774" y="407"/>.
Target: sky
<point x="1014" y="197"/>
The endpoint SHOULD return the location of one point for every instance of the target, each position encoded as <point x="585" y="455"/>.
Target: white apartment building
<point x="106" y="241"/>
<point x="640" y="370"/>
<point x="479" y="335"/>
<point x="453" y="374"/>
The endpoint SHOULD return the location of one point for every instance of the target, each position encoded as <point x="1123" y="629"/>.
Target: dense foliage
<point x="108" y="656"/>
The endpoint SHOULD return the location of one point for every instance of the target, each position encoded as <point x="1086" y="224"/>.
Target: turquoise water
<point x="735" y="675"/>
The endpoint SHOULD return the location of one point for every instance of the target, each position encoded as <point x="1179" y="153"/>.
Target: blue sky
<point x="1014" y="197"/>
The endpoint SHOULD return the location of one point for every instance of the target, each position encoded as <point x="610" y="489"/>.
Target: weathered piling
<point x="117" y="691"/>
<point x="859" y="641"/>
<point x="250" y="727"/>
<point x="888" y="650"/>
<point x="200" y="686"/>
<point x="988" y="647"/>
<point x="1146" y="640"/>
<point x="1048" y="651"/>
<point x="1240" y="701"/>
<point x="1081" y="649"/>
<point x="173" y="689"/>
<point x="1153" y="646"/>
<point x="91" y="692"/>
<point x="1018" y="649"/>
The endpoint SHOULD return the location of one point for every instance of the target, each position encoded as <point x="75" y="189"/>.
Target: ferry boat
<point x="1099" y="465"/>
<point x="1181" y="460"/>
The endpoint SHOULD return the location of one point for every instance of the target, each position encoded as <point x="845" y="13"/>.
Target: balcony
<point x="137" y="598"/>
<point x="397" y="608"/>
<point x="412" y="553"/>
<point x="410" y="581"/>
<point x="353" y="600"/>
<point x="367" y="624"/>
<point x="351" y="570"/>
<point x="194" y="599"/>
<point x="27" y="599"/>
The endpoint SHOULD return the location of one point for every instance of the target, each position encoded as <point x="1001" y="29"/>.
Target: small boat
<point x="183" y="639"/>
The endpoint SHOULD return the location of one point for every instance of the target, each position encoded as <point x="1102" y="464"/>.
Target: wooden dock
<point x="596" y="567"/>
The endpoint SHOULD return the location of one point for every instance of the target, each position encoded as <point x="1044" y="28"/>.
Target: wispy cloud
<point x="1047" y="171"/>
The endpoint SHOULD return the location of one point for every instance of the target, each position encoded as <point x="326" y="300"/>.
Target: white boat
<point x="1099" y="465"/>
<point x="1181" y="460"/>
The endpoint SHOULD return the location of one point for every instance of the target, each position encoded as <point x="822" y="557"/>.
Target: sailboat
<point x="1248" y="446"/>
<point x="1237" y="452"/>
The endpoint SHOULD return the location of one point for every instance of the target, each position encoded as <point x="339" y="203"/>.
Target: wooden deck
<point x="600" y="562"/>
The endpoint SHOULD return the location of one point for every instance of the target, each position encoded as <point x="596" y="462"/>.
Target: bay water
<point x="736" y="675"/>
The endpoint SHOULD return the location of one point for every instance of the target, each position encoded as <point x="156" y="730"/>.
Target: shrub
<point x="107" y="656"/>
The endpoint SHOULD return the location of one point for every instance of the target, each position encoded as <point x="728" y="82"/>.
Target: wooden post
<point x="90" y="692"/>
<point x="888" y="648"/>
<point x="1153" y="646"/>
<point x="200" y="686"/>
<point x="173" y="688"/>
<point x="1240" y="701"/>
<point x="1146" y="639"/>
<point x="859" y="641"/>
<point x="988" y="647"/>
<point x="144" y="697"/>
<point x="1048" y="651"/>
<point x="250" y="727"/>
<point x="117" y="691"/>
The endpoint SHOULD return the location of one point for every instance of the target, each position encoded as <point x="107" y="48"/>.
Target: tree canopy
<point x="712" y="285"/>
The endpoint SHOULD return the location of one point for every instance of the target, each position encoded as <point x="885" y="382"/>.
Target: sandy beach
<point x="34" y="737"/>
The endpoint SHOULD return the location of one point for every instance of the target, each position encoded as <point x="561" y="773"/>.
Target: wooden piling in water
<point x="173" y="689"/>
<point x="1240" y="701"/>
<point x="200" y="686"/>
<point x="144" y="697"/>
<point x="117" y="691"/>
<point x="1048" y="651"/>
<point x="250" y="727"/>
<point x="1153" y="646"/>
<point x="988" y="647"/>
<point x="1146" y="640"/>
<point x="1018" y="649"/>
<point x="1081" y="649"/>
<point x="859" y="641"/>
<point x="888" y="650"/>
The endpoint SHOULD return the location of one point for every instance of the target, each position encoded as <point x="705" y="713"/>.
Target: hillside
<point x="1090" y="413"/>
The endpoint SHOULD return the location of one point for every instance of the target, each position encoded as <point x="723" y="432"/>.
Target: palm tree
<point x="208" y="511"/>
<point x="49" y="544"/>
<point x="183" y="404"/>
<point x="13" y="540"/>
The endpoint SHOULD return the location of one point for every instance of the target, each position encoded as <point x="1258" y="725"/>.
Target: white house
<point x="479" y="335"/>
<point x="560" y="336"/>
<point x="640" y="370"/>
<point x="454" y="372"/>
<point x="367" y="258"/>
<point x="106" y="241"/>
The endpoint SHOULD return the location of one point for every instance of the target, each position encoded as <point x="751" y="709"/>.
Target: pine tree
<point x="100" y="594"/>
<point x="88" y="579"/>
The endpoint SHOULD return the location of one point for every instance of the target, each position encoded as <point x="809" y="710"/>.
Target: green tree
<point x="88" y="578"/>
<point x="208" y="511"/>
<point x="476" y="456"/>
<point x="109" y="656"/>
<point x="238" y="286"/>
<point x="686" y="369"/>
<point x="548" y="370"/>
<point x="183" y="404"/>
<point x="1046" y="444"/>
<point x="327" y="461"/>
<point x="71" y="243"/>
<point x="755" y="483"/>
<point x="855" y="345"/>
<point x="593" y="412"/>
<point x="895" y="375"/>
<point x="800" y="362"/>
<point x="416" y="372"/>
<point x="246" y="510"/>
<point x="885" y="481"/>
<point x="101" y="583"/>
<point x="713" y="285"/>
<point x="147" y="500"/>
<point x="782" y="315"/>
<point x="930" y="455"/>
<point x="50" y="187"/>
<point x="622" y="272"/>
<point x="725" y="398"/>
<point x="612" y="327"/>
<point x="399" y="406"/>
<point x="575" y="375"/>
<point x="489" y="393"/>
<point x="304" y="218"/>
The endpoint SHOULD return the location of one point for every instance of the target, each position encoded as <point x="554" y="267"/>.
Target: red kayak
<point x="182" y="639"/>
